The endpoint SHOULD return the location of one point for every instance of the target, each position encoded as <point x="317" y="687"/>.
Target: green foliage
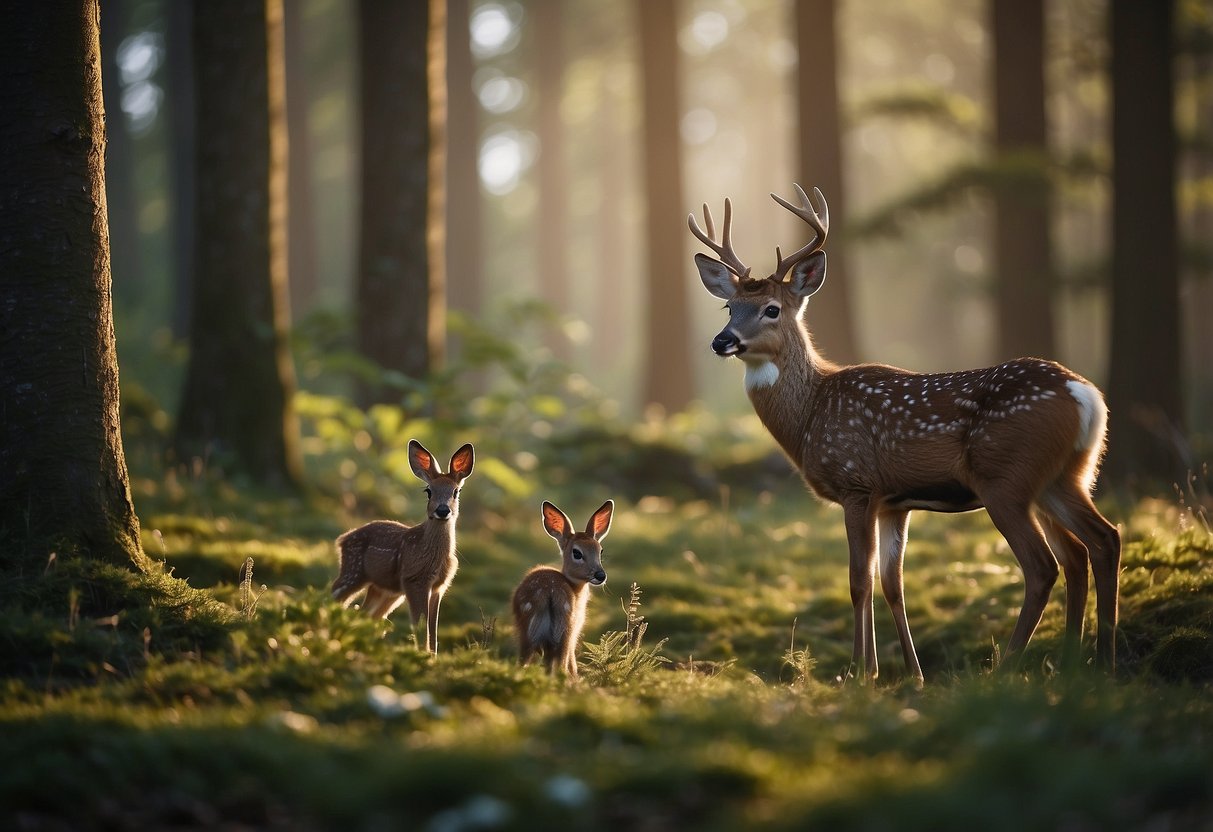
<point x="618" y="657"/>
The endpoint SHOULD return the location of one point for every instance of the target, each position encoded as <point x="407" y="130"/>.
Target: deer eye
<point x="577" y="555"/>
<point x="771" y="311"/>
<point x="455" y="494"/>
<point x="428" y="493"/>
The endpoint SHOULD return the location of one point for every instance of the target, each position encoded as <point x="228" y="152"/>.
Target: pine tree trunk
<point x="237" y="400"/>
<point x="400" y="294"/>
<point x="180" y="106"/>
<point x="464" y="246"/>
<point x="301" y="232"/>
<point x="64" y="487"/>
<point x="821" y="165"/>
<point x="1022" y="244"/>
<point x="668" y="375"/>
<point x="550" y="169"/>
<point x="1146" y="436"/>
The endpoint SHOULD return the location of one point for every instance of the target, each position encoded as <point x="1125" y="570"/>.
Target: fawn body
<point x="549" y="604"/>
<point x="1023" y="440"/>
<point x="397" y="563"/>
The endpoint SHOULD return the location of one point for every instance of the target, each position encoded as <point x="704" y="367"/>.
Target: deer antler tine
<point x="707" y="218"/>
<point x="824" y="211"/>
<point x="724" y="249"/>
<point x="807" y="211"/>
<point x="726" y="240"/>
<point x="804" y="198"/>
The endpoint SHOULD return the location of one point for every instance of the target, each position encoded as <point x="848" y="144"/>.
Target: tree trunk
<point x="1022" y="249"/>
<point x="238" y="389"/>
<point x="120" y="190"/>
<point x="550" y="171"/>
<point x="301" y="222"/>
<point x="400" y="292"/>
<point x="821" y="164"/>
<point x="668" y="375"/>
<point x="180" y="104"/>
<point x="464" y="246"/>
<point x="1146" y="439"/>
<point x="64" y="487"/>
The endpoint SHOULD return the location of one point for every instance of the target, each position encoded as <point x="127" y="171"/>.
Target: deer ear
<point x="422" y="461"/>
<point x="808" y="275"/>
<point x="462" y="461"/>
<point x="600" y="521"/>
<point x="716" y="277"/>
<point x="556" y="522"/>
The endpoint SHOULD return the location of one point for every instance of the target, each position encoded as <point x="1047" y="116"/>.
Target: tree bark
<point x="400" y="294"/>
<point x="237" y="399"/>
<point x="64" y="487"/>
<point x="180" y="106"/>
<point x="668" y="376"/>
<point x="301" y="221"/>
<point x="821" y="164"/>
<point x="464" y="245"/>
<point x="1022" y="244"/>
<point x="1146" y="436"/>
<point x="552" y="238"/>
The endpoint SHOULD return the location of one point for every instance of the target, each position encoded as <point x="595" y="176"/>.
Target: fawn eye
<point x="429" y="493"/>
<point x="455" y="494"/>
<point x="577" y="555"/>
<point x="771" y="312"/>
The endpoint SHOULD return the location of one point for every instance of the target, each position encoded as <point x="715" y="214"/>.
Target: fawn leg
<point x="1015" y="521"/>
<point x="862" y="541"/>
<point x="891" y="536"/>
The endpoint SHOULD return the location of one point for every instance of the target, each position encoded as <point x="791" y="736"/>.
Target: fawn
<point x="1023" y="440"/>
<point x="549" y="604"/>
<point x="395" y="562"/>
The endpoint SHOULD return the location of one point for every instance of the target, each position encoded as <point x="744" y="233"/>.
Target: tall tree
<point x="400" y="294"/>
<point x="550" y="171"/>
<point x="1146" y="428"/>
<point x="668" y="377"/>
<point x="301" y="220"/>
<point x="180" y="104"/>
<point x="464" y="247"/>
<point x="64" y="487"/>
<point x="1022" y="244"/>
<point x="821" y="164"/>
<point x="240" y="380"/>
<point x="120" y="190"/>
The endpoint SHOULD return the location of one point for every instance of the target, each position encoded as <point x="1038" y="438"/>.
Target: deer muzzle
<point x="726" y="344"/>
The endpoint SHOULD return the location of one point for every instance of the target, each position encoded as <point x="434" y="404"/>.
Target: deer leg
<point x="861" y="539"/>
<point x="891" y="530"/>
<point x="431" y="622"/>
<point x="1072" y="554"/>
<point x="1072" y="507"/>
<point x="418" y="598"/>
<point x="1015" y="521"/>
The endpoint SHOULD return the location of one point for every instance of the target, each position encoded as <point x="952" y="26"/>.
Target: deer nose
<point x="599" y="577"/>
<point x="726" y="343"/>
<point x="442" y="512"/>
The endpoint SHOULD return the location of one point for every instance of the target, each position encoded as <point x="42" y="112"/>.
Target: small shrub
<point x="618" y="656"/>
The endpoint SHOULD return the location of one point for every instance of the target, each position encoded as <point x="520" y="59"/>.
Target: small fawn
<point x="1022" y="440"/>
<point x="395" y="562"/>
<point x="549" y="604"/>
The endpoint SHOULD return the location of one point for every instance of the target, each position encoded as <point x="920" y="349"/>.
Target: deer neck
<point x="783" y="391"/>
<point x="440" y="536"/>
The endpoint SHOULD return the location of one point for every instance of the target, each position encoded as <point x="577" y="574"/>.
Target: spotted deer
<point x="1023" y="440"/>
<point x="549" y="604"/>
<point x="394" y="562"/>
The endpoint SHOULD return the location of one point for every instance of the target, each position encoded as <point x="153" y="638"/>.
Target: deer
<point x="394" y="562"/>
<point x="549" y="604"/>
<point x="1023" y="440"/>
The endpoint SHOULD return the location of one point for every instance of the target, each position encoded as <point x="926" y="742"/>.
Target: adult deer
<point x="1023" y="440"/>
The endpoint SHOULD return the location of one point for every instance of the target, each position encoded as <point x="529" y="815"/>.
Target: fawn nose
<point x="599" y="578"/>
<point x="726" y="343"/>
<point x="442" y="512"/>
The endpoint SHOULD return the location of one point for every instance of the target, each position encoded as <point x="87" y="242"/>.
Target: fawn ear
<point x="600" y="521"/>
<point x="422" y="461"/>
<point x="556" y="522"/>
<point x="808" y="275"/>
<point x="462" y="461"/>
<point x="716" y="277"/>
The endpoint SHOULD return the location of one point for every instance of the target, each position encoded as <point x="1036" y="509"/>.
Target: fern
<point x="618" y="656"/>
<point x="249" y="597"/>
<point x="801" y="662"/>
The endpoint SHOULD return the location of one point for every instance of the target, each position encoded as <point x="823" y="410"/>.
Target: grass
<point x="713" y="700"/>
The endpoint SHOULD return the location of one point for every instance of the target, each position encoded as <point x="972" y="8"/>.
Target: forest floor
<point x="261" y="703"/>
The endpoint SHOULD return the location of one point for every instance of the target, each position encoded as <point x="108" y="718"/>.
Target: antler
<point x="724" y="249"/>
<point x="820" y="220"/>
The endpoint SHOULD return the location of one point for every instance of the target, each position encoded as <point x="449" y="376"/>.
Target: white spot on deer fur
<point x="1092" y="415"/>
<point x="528" y="606"/>
<point x="760" y="375"/>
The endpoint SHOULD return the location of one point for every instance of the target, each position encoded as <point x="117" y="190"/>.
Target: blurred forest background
<point x="485" y="194"/>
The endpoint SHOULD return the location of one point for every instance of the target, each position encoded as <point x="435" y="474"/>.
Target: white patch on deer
<point x="760" y="375"/>
<point x="1092" y="414"/>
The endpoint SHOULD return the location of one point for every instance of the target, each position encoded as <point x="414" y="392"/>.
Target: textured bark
<point x="1146" y="427"/>
<point x="400" y="302"/>
<point x="237" y="400"/>
<point x="1022" y="246"/>
<point x="830" y="313"/>
<point x="64" y="487"/>
<point x="552" y="258"/>
<point x="301" y="220"/>
<point x="668" y="376"/>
